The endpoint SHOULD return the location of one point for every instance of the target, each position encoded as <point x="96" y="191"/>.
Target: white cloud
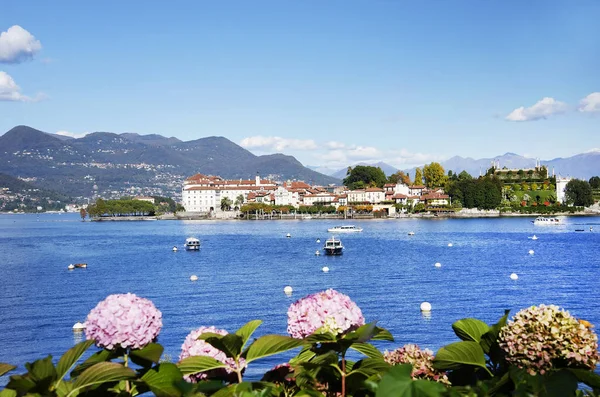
<point x="363" y="153"/>
<point x="335" y="145"/>
<point x="403" y="158"/>
<point x="541" y="110"/>
<point x="590" y="103"/>
<point x="10" y="91"/>
<point x="17" y="45"/>
<point x="277" y="143"/>
<point x="71" y="134"/>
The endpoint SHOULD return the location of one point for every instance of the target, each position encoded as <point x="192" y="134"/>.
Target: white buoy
<point x="531" y="252"/>
<point x="78" y="327"/>
<point x="438" y="264"/>
<point x="514" y="276"/>
<point x="325" y="269"/>
<point x="193" y="277"/>
<point x="411" y="233"/>
<point x="425" y="307"/>
<point x="71" y="266"/>
<point x="288" y="290"/>
<point x="449" y="244"/>
<point x="318" y="240"/>
<point x="317" y="252"/>
<point x="288" y="235"/>
<point x="534" y="237"/>
<point x="174" y="249"/>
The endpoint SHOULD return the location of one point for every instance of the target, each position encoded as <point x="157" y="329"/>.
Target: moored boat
<point x="345" y="229"/>
<point x="544" y="220"/>
<point x="333" y="246"/>
<point x="192" y="244"/>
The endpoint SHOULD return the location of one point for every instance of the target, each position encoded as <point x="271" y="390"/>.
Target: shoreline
<point x="468" y="215"/>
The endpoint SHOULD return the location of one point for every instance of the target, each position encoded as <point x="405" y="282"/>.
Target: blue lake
<point x="243" y="267"/>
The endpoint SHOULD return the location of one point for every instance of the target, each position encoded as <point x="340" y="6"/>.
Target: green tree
<point x="418" y="177"/>
<point x="579" y="193"/>
<point x="399" y="176"/>
<point x="239" y="200"/>
<point x="464" y="175"/>
<point x="594" y="182"/>
<point x="226" y="204"/>
<point x="364" y="175"/>
<point x="434" y="174"/>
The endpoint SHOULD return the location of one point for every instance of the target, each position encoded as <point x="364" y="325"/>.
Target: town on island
<point x="367" y="193"/>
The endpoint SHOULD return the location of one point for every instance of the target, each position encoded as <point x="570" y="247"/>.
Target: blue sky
<point x="330" y="82"/>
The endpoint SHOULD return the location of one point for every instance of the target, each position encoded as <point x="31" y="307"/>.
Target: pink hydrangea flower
<point x="194" y="347"/>
<point x="542" y="337"/>
<point x="332" y="310"/>
<point x="421" y="360"/>
<point x="123" y="320"/>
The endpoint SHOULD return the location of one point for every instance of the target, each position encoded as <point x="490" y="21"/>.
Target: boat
<point x="192" y="244"/>
<point x="543" y="220"/>
<point x="345" y="229"/>
<point x="79" y="265"/>
<point x="333" y="246"/>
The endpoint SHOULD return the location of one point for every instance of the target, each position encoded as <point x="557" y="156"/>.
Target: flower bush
<point x="421" y="360"/>
<point x="541" y="338"/>
<point x="192" y="346"/>
<point x="123" y="320"/>
<point x="330" y="310"/>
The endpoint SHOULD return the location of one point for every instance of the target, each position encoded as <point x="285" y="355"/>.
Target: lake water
<point x="243" y="267"/>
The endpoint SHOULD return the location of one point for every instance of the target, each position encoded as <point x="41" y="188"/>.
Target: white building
<point x="561" y="184"/>
<point x="203" y="193"/>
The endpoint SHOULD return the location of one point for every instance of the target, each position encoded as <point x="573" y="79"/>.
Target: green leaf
<point x="230" y="344"/>
<point x="269" y="345"/>
<point x="382" y="334"/>
<point x="162" y="380"/>
<point x="195" y="364"/>
<point x="490" y="338"/>
<point x="64" y="388"/>
<point x="104" y="372"/>
<point x="98" y="357"/>
<point x="148" y="355"/>
<point x="369" y="367"/>
<point x="4" y="368"/>
<point x="586" y="376"/>
<point x="42" y="370"/>
<point x="560" y="383"/>
<point x="246" y="331"/>
<point x="397" y="382"/>
<point x="361" y="334"/>
<point x="367" y="349"/>
<point x="306" y="354"/>
<point x="320" y="336"/>
<point x="454" y="355"/>
<point x="22" y="384"/>
<point x="70" y="358"/>
<point x="8" y="393"/>
<point x="470" y="329"/>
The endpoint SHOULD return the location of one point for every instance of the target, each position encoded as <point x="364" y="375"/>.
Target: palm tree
<point x="225" y="204"/>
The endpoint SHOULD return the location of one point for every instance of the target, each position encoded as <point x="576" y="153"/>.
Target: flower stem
<point x="125" y="364"/>
<point x="343" y="374"/>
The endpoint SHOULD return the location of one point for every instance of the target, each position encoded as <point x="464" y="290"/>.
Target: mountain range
<point x="582" y="166"/>
<point x="125" y="164"/>
<point x="104" y="162"/>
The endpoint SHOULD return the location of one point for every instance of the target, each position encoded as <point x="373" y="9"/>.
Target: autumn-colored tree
<point x="399" y="176"/>
<point x="435" y="175"/>
<point x="418" y="176"/>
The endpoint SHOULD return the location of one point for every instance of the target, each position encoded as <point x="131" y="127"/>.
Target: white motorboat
<point x="345" y="229"/>
<point x="333" y="246"/>
<point x="543" y="220"/>
<point x="192" y="244"/>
